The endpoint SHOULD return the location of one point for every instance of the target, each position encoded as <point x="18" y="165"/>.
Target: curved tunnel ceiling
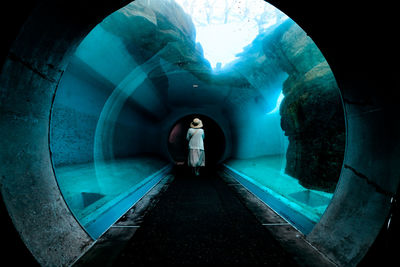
<point x="172" y="74"/>
<point x="371" y="187"/>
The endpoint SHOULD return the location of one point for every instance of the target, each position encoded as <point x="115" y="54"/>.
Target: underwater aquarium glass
<point x="140" y="72"/>
<point x="294" y="150"/>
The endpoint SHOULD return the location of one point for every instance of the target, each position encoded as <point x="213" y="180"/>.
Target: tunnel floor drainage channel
<point x="201" y="220"/>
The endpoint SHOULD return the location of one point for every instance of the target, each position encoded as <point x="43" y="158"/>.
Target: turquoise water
<point x="143" y="67"/>
<point x="267" y="171"/>
<point x="89" y="192"/>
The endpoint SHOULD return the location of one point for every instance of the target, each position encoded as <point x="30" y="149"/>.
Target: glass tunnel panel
<point x="270" y="104"/>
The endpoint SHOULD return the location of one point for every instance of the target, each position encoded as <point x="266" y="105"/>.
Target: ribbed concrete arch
<point x="29" y="187"/>
<point x="30" y="74"/>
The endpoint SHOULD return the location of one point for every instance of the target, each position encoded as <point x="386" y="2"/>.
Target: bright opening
<point x="224" y="28"/>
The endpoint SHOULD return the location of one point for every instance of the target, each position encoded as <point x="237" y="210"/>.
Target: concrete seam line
<point x="378" y="188"/>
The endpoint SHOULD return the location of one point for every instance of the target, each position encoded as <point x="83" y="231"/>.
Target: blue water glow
<point x="278" y="104"/>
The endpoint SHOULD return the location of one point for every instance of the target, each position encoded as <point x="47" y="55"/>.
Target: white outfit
<point x="195" y="138"/>
<point x="196" y="155"/>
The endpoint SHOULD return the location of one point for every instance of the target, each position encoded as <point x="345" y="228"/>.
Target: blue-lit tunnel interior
<point x="272" y="115"/>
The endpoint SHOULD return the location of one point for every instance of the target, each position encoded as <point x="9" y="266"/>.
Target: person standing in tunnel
<point x="195" y="136"/>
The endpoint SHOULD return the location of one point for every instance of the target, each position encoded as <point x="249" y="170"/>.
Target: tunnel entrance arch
<point x="214" y="142"/>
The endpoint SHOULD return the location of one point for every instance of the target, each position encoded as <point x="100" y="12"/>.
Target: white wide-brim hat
<point x="196" y="123"/>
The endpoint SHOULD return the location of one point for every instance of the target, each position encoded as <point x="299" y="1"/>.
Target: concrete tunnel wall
<point x="30" y="75"/>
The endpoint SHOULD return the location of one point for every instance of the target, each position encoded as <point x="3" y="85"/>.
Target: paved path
<point x="198" y="221"/>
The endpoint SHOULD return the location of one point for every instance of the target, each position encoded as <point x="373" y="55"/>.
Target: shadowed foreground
<point x="199" y="220"/>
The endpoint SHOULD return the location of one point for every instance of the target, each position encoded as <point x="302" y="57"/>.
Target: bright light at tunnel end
<point x="224" y="28"/>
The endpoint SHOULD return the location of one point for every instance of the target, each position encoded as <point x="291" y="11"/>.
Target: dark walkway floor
<point x="199" y="220"/>
<point x="206" y="220"/>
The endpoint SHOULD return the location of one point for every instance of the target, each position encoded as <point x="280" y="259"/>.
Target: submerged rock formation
<point x="313" y="119"/>
<point x="161" y="29"/>
<point x="312" y="114"/>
